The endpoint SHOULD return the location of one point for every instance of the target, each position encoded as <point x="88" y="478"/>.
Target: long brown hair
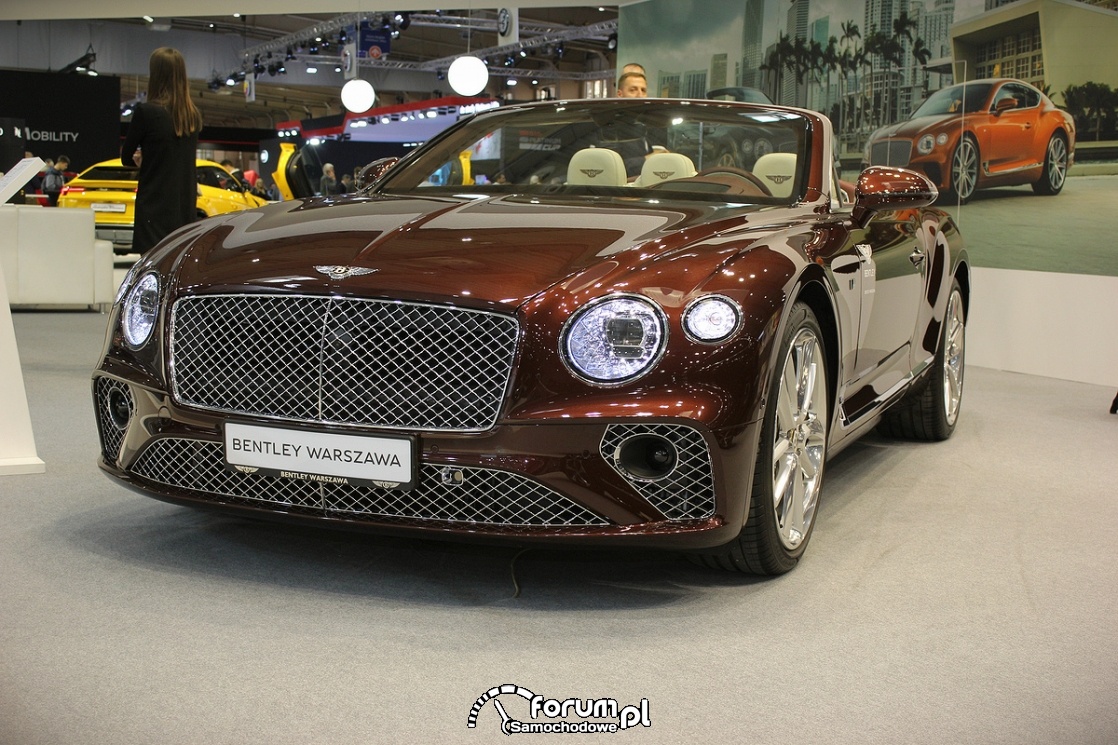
<point x="169" y="87"/>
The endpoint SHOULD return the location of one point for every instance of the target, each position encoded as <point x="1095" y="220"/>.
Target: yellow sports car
<point x="109" y="189"/>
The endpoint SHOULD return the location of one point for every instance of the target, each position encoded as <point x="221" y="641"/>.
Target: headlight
<point x="712" y="319"/>
<point x="941" y="139"/>
<point x="615" y="339"/>
<point x="141" y="308"/>
<point x="925" y="145"/>
<point x="126" y="282"/>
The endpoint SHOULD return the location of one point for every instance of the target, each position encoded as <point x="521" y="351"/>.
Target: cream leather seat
<point x="778" y="172"/>
<point x="664" y="167"/>
<point x="597" y="166"/>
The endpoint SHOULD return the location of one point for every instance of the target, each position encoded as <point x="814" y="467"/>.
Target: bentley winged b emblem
<point x="343" y="272"/>
<point x="590" y="172"/>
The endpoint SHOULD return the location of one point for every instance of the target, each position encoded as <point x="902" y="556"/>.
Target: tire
<point x="964" y="169"/>
<point x="1055" y="173"/>
<point x="932" y="411"/>
<point x="788" y="478"/>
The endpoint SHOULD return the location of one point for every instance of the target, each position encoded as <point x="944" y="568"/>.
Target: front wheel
<point x="788" y="477"/>
<point x="964" y="169"/>
<point x="1055" y="171"/>
<point x="932" y="412"/>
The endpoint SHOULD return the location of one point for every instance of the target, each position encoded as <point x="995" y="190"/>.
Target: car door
<point x="891" y="282"/>
<point x="1011" y="132"/>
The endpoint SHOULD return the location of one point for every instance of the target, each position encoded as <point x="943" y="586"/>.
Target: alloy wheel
<point x="964" y="169"/>
<point x="800" y="438"/>
<point x="1057" y="164"/>
<point x="953" y="358"/>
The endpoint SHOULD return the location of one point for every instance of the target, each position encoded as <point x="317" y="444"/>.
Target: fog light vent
<point x="667" y="464"/>
<point x="115" y="408"/>
<point x="646" y="457"/>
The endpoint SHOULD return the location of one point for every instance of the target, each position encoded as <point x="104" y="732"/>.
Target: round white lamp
<point x="467" y="75"/>
<point x="358" y="95"/>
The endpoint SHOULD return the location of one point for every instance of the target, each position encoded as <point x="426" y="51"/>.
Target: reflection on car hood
<point x="497" y="251"/>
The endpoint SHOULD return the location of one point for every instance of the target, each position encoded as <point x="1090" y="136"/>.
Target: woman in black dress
<point x="163" y="142"/>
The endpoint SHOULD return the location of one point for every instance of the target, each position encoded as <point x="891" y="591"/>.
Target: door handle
<point x="917" y="256"/>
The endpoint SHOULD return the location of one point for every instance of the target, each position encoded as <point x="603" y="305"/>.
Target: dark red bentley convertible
<point x="552" y="324"/>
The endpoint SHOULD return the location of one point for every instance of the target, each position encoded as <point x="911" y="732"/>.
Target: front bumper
<point x="558" y="481"/>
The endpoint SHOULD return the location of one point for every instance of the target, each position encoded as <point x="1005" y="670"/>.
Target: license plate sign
<point x="108" y="207"/>
<point x="326" y="457"/>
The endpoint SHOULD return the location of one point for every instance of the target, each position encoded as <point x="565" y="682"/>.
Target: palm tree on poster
<point x="850" y="32"/>
<point x="904" y="27"/>
<point x="922" y="54"/>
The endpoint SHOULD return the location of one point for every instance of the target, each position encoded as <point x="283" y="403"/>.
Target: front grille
<point x="111" y="436"/>
<point x="477" y="496"/>
<point x="319" y="359"/>
<point x="891" y="153"/>
<point x="688" y="491"/>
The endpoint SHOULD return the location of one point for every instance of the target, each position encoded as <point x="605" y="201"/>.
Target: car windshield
<point x="680" y="150"/>
<point x="955" y="100"/>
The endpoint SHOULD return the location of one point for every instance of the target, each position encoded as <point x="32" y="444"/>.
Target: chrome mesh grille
<point x="480" y="496"/>
<point x="891" y="153"/>
<point x="345" y="361"/>
<point x="686" y="493"/>
<point x="111" y="437"/>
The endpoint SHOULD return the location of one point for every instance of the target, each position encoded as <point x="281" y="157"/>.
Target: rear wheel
<point x="789" y="474"/>
<point x="964" y="169"/>
<point x="1055" y="172"/>
<point x="932" y="412"/>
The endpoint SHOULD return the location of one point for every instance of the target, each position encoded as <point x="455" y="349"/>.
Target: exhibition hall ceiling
<point x="429" y="35"/>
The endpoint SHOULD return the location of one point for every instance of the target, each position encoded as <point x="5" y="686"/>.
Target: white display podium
<point x="17" y="443"/>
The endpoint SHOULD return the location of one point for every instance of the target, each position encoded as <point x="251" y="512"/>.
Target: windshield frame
<point x="559" y="129"/>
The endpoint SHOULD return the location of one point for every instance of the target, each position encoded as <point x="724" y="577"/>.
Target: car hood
<point x="491" y="252"/>
<point x="913" y="128"/>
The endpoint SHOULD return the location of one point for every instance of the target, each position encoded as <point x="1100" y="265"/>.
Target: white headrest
<point x="664" y="167"/>
<point x="778" y="172"/>
<point x="598" y="166"/>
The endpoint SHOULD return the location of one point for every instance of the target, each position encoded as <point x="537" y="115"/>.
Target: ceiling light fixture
<point x="358" y="95"/>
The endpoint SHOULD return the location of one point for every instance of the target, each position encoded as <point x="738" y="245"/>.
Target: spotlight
<point x="611" y="42"/>
<point x="403" y="20"/>
<point x="559" y="50"/>
<point x="311" y="69"/>
<point x="289" y="56"/>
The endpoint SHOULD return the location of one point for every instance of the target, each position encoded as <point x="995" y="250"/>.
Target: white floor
<point x="961" y="592"/>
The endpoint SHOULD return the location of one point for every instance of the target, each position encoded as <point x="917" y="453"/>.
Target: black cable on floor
<point x="512" y="570"/>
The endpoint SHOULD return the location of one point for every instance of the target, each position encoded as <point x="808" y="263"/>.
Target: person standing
<point x="328" y="184"/>
<point x="163" y="141"/>
<point x="632" y="85"/>
<point x="55" y="178"/>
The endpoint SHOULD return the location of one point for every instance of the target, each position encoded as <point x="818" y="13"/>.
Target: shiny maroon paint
<point x="551" y="423"/>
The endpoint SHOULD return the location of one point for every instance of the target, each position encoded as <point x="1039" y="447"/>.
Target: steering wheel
<point x="738" y="172"/>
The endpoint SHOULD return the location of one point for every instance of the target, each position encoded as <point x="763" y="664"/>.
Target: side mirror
<point x="1005" y="104"/>
<point x="882" y="188"/>
<point x="373" y="171"/>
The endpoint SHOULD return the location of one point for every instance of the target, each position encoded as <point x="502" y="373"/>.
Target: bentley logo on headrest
<point x="342" y="272"/>
<point x="777" y="178"/>
<point x="590" y="172"/>
<point x="664" y="174"/>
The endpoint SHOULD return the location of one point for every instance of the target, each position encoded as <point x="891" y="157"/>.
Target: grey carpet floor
<point x="961" y="592"/>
